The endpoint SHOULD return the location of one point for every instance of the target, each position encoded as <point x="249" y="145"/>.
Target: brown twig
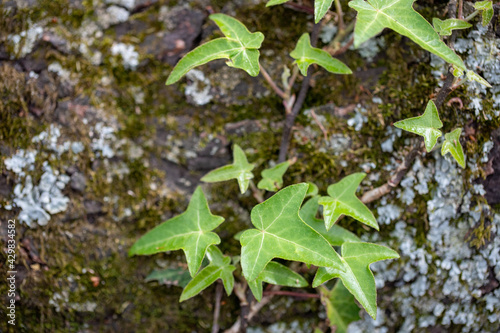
<point x="273" y="85"/>
<point x="253" y="310"/>
<point x="218" y="297"/>
<point x="321" y="127"/>
<point x="290" y="118"/>
<point x="396" y="177"/>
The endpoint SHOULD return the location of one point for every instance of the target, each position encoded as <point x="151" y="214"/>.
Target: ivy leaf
<point x="399" y="15"/>
<point x="452" y="145"/>
<point x="272" y="178"/>
<point x="336" y="236"/>
<point x="486" y="8"/>
<point x="341" y="309"/>
<point x="281" y="233"/>
<point x="425" y="125"/>
<point x="240" y="47"/>
<point x="312" y="190"/>
<point x="277" y="274"/>
<point x="471" y="76"/>
<point x="240" y="170"/>
<point x="190" y="231"/>
<point x="445" y="28"/>
<point x="275" y="2"/>
<point x="306" y="55"/>
<point x="219" y="268"/>
<point x="357" y="276"/>
<point x="170" y="276"/>
<point x="321" y="7"/>
<point x="342" y="200"/>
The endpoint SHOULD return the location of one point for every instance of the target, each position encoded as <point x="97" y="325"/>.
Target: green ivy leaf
<point x="277" y="274"/>
<point x="342" y="200"/>
<point x="399" y="15"/>
<point x="281" y="233"/>
<point x="219" y="268"/>
<point x="425" y="125"/>
<point x="452" y="145"/>
<point x="336" y="236"/>
<point x="272" y="178"/>
<point x="275" y="2"/>
<point x="240" y="47"/>
<point x="240" y="170"/>
<point x="190" y="231"/>
<point x="483" y="5"/>
<point x="471" y="76"/>
<point x="306" y="55"/>
<point x="321" y="7"/>
<point x="446" y="27"/>
<point x="357" y="276"/>
<point x="486" y="8"/>
<point x="170" y="276"/>
<point x="341" y="309"/>
<point x="312" y="190"/>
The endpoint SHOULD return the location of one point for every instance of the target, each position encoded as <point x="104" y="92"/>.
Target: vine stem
<point x="297" y="106"/>
<point x="340" y="15"/>
<point x="273" y="84"/>
<point x="417" y="150"/>
<point x="218" y="297"/>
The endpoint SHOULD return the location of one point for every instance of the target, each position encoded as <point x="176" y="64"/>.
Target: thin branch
<point x="396" y="178"/>
<point x="340" y="15"/>
<point x="273" y="85"/>
<point x="218" y="297"/>
<point x="290" y="118"/>
<point x="321" y="127"/>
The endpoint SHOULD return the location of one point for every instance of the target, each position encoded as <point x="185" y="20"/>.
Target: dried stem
<point x="218" y="297"/>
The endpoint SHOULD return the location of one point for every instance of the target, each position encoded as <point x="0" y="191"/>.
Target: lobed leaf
<point x="190" y="231"/>
<point x="452" y="145"/>
<point x="321" y="7"/>
<point x="219" y="268"/>
<point x="272" y="178"/>
<point x="342" y="200"/>
<point x="312" y="189"/>
<point x="240" y="170"/>
<point x="399" y="15"/>
<point x="471" y="76"/>
<point x="306" y="55"/>
<point x="336" y="236"/>
<point x="486" y="8"/>
<point x="425" y="125"/>
<point x="220" y="48"/>
<point x="281" y="233"/>
<point x="240" y="47"/>
<point x="170" y="276"/>
<point x="275" y="2"/>
<point x="446" y="27"/>
<point x="277" y="274"/>
<point x="341" y="309"/>
<point x="357" y="276"/>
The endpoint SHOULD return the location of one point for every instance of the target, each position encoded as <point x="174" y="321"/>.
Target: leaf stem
<point x="471" y="16"/>
<point x="218" y="297"/>
<point x="340" y="15"/>
<point x="273" y="85"/>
